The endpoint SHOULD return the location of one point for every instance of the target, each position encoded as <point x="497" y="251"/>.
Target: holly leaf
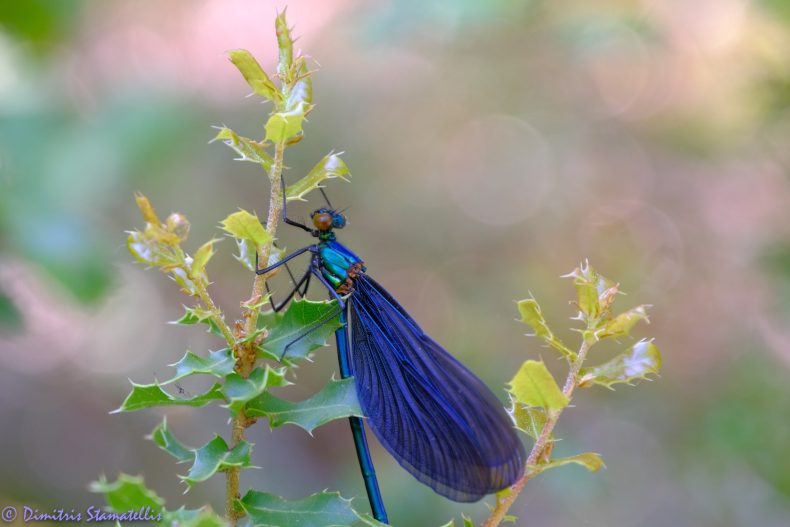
<point x="202" y="256"/>
<point x="641" y="360"/>
<point x="282" y="126"/>
<point x="330" y="167"/>
<point x="239" y="391"/>
<point x="203" y="517"/>
<point x="595" y="293"/>
<point x="303" y="327"/>
<point x="531" y="315"/>
<point x="246" y="226"/>
<point x="148" y="395"/>
<point x="528" y="419"/>
<point x="533" y="385"/>
<point x="127" y="493"/>
<point x="589" y="460"/>
<point x="621" y="325"/>
<point x="218" y="363"/>
<point x="198" y="315"/>
<point x="247" y="149"/>
<point x="336" y="400"/>
<point x="215" y="456"/>
<point x="324" y="509"/>
<point x="162" y="436"/>
<point x="285" y="44"/>
<point x="254" y="74"/>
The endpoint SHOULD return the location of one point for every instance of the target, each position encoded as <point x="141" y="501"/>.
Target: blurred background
<point x="493" y="145"/>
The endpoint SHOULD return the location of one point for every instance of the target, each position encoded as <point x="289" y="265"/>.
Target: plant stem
<point x="246" y="357"/>
<point x="504" y="504"/>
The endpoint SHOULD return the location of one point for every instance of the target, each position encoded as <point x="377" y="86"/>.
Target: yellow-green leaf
<point x="330" y="167"/>
<point x="621" y="325"/>
<point x="589" y="460"/>
<point x="254" y="74"/>
<point x="531" y="315"/>
<point x="282" y="126"/>
<point x="202" y="256"/>
<point x="286" y="47"/>
<point x="533" y="385"/>
<point x="248" y="149"/>
<point x="244" y="225"/>
<point x="641" y="360"/>
<point x="529" y="419"/>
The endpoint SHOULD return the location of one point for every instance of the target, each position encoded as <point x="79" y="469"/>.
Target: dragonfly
<point x="432" y="414"/>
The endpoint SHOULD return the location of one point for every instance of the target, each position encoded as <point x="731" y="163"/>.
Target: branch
<point x="538" y="449"/>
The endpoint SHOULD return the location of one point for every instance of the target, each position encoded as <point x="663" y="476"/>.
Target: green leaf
<point x="203" y="517"/>
<point x="162" y="436"/>
<point x="302" y="89"/>
<point x="533" y="385"/>
<point x="243" y="225"/>
<point x="202" y="256"/>
<point x="148" y="395"/>
<point x="285" y="125"/>
<point x="366" y="519"/>
<point x="595" y="293"/>
<point x="529" y="419"/>
<point x="324" y="509"/>
<point x="127" y="492"/>
<point x="286" y="47"/>
<point x="180" y="276"/>
<point x="239" y="390"/>
<point x="588" y="460"/>
<point x="330" y="167"/>
<point x="336" y="400"/>
<point x="198" y="315"/>
<point x="531" y="315"/>
<point x="305" y="326"/>
<point x="248" y="149"/>
<point x="218" y="363"/>
<point x="215" y="456"/>
<point x="467" y="521"/>
<point x="641" y="360"/>
<point x="621" y="325"/>
<point x="254" y="74"/>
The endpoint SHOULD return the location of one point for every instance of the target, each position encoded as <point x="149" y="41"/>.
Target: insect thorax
<point x="339" y="265"/>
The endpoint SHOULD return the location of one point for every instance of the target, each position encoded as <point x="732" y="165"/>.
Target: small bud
<point x="178" y="224"/>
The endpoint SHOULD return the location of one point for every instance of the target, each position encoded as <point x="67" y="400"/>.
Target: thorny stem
<point x="245" y="355"/>
<point x="536" y="454"/>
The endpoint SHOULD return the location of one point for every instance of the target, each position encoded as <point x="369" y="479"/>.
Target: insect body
<point x="438" y="420"/>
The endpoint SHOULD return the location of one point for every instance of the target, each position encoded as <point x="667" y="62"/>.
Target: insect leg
<point x="281" y="262"/>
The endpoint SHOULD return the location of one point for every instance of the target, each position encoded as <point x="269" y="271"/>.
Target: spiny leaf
<point x="203" y="517"/>
<point x="254" y="74"/>
<point x="336" y="400"/>
<point x="324" y="509"/>
<point x="198" y="315"/>
<point x="330" y="167"/>
<point x="589" y="460"/>
<point x="239" y="390"/>
<point x="248" y="149"/>
<point x="181" y="277"/>
<point x="202" y="256"/>
<point x="641" y="360"/>
<point x="245" y="225"/>
<point x="218" y="363"/>
<point x="533" y="385"/>
<point x="285" y="125"/>
<point x="286" y="47"/>
<point x="148" y="395"/>
<point x="595" y="292"/>
<point x="366" y="519"/>
<point x="529" y="419"/>
<point x="621" y="325"/>
<point x="532" y="316"/>
<point x="127" y="493"/>
<point x="305" y="326"/>
<point x="162" y="436"/>
<point x="216" y="456"/>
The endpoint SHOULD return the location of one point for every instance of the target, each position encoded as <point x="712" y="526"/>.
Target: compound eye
<point x="338" y="221"/>
<point x="322" y="221"/>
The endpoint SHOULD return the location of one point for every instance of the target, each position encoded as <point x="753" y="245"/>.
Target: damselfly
<point x="433" y="415"/>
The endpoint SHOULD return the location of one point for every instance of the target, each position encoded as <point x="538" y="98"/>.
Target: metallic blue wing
<point x="432" y="414"/>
